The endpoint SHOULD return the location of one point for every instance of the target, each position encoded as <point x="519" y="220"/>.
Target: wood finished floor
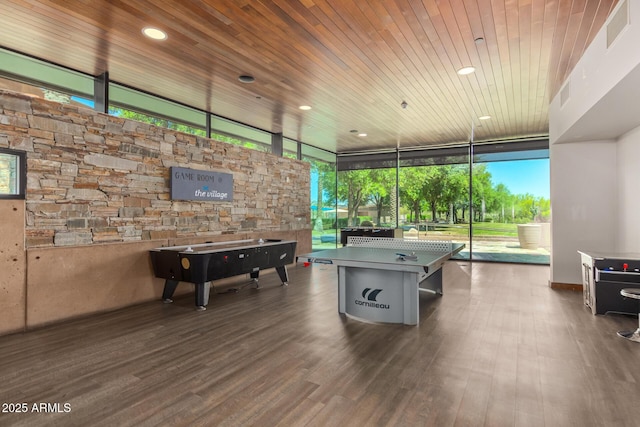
<point x="500" y="348"/>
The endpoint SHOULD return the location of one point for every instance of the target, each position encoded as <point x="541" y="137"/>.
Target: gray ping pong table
<point x="379" y="279"/>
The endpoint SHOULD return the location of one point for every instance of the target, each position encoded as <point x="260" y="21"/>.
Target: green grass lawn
<point x="495" y="229"/>
<point x="479" y="229"/>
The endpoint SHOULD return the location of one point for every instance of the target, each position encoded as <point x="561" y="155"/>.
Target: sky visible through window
<point x="522" y="176"/>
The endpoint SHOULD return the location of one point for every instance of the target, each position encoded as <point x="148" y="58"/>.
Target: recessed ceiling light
<point x="246" y="78"/>
<point x="362" y="134"/>
<point x="466" y="70"/>
<point x="304" y="107"/>
<point x="154" y="33"/>
<point x="484" y="117"/>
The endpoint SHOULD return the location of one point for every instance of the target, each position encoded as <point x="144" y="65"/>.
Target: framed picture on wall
<point x="13" y="174"/>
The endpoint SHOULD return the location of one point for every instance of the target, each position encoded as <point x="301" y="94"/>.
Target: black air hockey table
<point x="202" y="263"/>
<point x="379" y="279"/>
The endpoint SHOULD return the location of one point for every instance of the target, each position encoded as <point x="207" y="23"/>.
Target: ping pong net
<point x="391" y="243"/>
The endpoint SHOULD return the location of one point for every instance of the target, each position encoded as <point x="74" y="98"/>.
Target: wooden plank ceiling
<point x="353" y="61"/>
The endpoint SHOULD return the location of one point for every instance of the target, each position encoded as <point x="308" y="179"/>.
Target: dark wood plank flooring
<point x="500" y="348"/>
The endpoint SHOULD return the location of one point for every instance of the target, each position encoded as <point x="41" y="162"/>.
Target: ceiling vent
<point x="619" y="20"/>
<point x="565" y="93"/>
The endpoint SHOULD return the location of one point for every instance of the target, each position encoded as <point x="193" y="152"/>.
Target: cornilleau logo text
<point x="370" y="295"/>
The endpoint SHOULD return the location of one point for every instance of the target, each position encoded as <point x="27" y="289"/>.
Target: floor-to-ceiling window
<point x="497" y="205"/>
<point x="434" y="195"/>
<point x="511" y="202"/>
<point x="366" y="192"/>
<point x="323" y="203"/>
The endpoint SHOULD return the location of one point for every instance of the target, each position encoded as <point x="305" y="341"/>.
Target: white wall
<point x="594" y="154"/>
<point x="628" y="176"/>
<point x="603" y="88"/>
<point x="584" y="204"/>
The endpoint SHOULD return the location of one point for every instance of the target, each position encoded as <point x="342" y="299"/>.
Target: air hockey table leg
<point x="283" y="274"/>
<point x="202" y="295"/>
<point x="169" y="289"/>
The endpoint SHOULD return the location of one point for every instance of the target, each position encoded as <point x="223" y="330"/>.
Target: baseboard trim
<point x="566" y="286"/>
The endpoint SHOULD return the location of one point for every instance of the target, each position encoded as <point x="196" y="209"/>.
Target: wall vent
<point x="618" y="22"/>
<point x="565" y="93"/>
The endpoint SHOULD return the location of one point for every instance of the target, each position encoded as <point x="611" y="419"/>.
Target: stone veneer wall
<point x="94" y="178"/>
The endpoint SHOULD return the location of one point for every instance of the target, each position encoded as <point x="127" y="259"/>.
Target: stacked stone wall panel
<point x="94" y="178"/>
